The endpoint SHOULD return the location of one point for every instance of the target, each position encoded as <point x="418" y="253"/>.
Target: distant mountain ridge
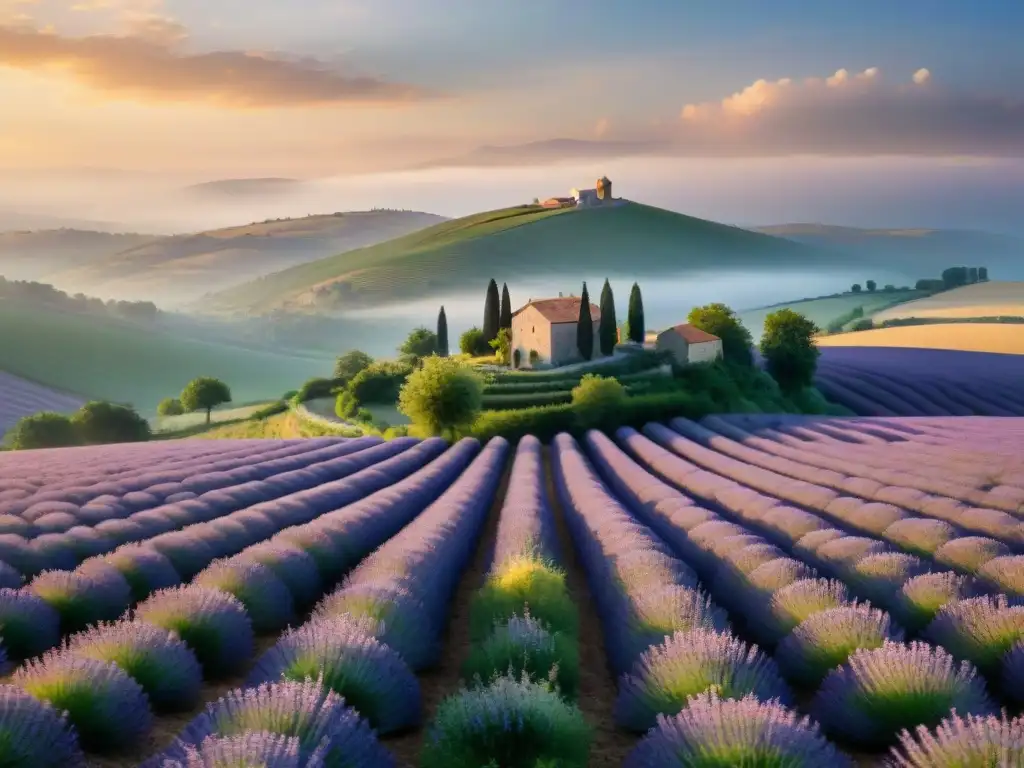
<point x="173" y="270"/>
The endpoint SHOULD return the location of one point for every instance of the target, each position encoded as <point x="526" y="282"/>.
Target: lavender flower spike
<point x="35" y="735"/>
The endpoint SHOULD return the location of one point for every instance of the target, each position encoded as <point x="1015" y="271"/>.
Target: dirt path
<point x="445" y="678"/>
<point x="597" y="688"/>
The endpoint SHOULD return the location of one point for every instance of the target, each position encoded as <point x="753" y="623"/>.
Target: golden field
<point x="1005" y="338"/>
<point x="992" y="299"/>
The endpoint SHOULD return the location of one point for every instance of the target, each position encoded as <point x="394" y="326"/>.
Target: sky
<point x="325" y="88"/>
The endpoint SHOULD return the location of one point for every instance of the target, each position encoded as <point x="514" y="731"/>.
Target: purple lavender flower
<point x="919" y="535"/>
<point x="922" y="597"/>
<point x="979" y="630"/>
<point x="254" y="749"/>
<point x="295" y="567"/>
<point x="825" y="640"/>
<point x="79" y="599"/>
<point x="880" y="577"/>
<point x="326" y="727"/>
<point x="28" y="624"/>
<point x="658" y="613"/>
<point x="266" y="599"/>
<point x="35" y="735"/>
<point x="157" y="659"/>
<point x="145" y="569"/>
<point x="959" y="742"/>
<point x="1005" y="574"/>
<point x="319" y="545"/>
<point x="968" y="554"/>
<point x="691" y="663"/>
<point x="840" y="555"/>
<point x="88" y="542"/>
<point x="53" y="551"/>
<point x="9" y="577"/>
<point x="882" y="691"/>
<point x="794" y="603"/>
<point x="107" y="707"/>
<point x="715" y="732"/>
<point x="188" y="553"/>
<point x="212" y="623"/>
<point x="1012" y="677"/>
<point x="371" y="677"/>
<point x="391" y="613"/>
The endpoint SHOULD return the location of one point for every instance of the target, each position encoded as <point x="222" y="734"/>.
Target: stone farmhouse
<point x="544" y="331"/>
<point x="600" y="195"/>
<point x="689" y="345"/>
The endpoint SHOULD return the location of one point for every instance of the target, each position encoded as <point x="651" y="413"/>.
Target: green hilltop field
<point x="112" y="359"/>
<point x="529" y="242"/>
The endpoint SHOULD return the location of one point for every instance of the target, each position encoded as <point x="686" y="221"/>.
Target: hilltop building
<point x="600" y="195"/>
<point x="544" y="331"/>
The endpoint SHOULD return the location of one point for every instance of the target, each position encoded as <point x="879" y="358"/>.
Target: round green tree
<point x="42" y="430"/>
<point x="791" y="356"/>
<point x="421" y="342"/>
<point x="205" y="394"/>
<point x="349" y="364"/>
<point x="442" y="396"/>
<point x="473" y="342"/>
<point x="170" y="406"/>
<point x="720" y="321"/>
<point x="99" y="422"/>
<point x="596" y="400"/>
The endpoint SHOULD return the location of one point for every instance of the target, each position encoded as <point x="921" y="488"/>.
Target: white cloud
<point x="852" y="113"/>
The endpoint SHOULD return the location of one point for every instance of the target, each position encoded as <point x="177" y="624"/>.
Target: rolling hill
<point x="1000" y="338"/>
<point x="112" y="359"/>
<point x="518" y="243"/>
<point x="178" y="269"/>
<point x="921" y="251"/>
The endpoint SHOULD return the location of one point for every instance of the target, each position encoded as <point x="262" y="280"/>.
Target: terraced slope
<point x="876" y="562"/>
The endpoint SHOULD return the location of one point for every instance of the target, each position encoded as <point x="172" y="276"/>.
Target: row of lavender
<point x="870" y="683"/>
<point x="111" y="677"/>
<point x="364" y="641"/>
<point x="522" y="673"/>
<point x="874" y="381"/>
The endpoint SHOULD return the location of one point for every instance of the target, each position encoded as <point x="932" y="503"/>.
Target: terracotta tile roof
<point x="692" y="335"/>
<point x="561" y="310"/>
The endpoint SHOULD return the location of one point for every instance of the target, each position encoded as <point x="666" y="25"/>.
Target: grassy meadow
<point x="188" y="421"/>
<point x="534" y="242"/>
<point x="109" y="359"/>
<point x="825" y="310"/>
<point x="967" y="337"/>
<point x="283" y="426"/>
<point x="989" y="299"/>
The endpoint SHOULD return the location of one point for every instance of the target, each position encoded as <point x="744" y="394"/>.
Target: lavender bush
<point x="371" y="677"/>
<point x="212" y="623"/>
<point x="79" y="599"/>
<point x="922" y="597"/>
<point x="107" y="707"/>
<point x="295" y="567"/>
<point x="968" y="554"/>
<point x="963" y="742"/>
<point x="1005" y="574"/>
<point x="691" y="663"/>
<point x="35" y="735"/>
<point x="145" y="570"/>
<point x="880" y="692"/>
<point x="796" y="602"/>
<point x="155" y="658"/>
<point x="266" y="599"/>
<point x="524" y="646"/>
<point x="512" y="723"/>
<point x="28" y="624"/>
<point x="718" y="733"/>
<point x="524" y="584"/>
<point x="327" y="729"/>
<point x="979" y="630"/>
<point x="255" y="748"/>
<point x="825" y="640"/>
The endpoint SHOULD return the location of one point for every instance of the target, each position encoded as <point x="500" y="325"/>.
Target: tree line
<point x="45" y="294"/>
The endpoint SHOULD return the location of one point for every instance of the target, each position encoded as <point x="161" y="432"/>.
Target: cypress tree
<point x="607" y="327"/>
<point x="585" y="327"/>
<point x="442" y="333"/>
<point x="505" y="316"/>
<point x="635" y="315"/>
<point x="491" y="312"/>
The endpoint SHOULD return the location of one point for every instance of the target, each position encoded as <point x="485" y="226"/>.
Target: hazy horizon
<point x="859" y="192"/>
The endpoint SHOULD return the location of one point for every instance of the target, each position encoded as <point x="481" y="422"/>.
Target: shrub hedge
<point x="642" y="361"/>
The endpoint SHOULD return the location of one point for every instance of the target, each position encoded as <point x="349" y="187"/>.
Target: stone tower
<point x="604" y="189"/>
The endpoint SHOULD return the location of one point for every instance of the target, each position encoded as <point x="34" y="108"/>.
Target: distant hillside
<point x="244" y="187"/>
<point x="516" y="243"/>
<point x="179" y="269"/>
<point x="919" y="250"/>
<point x="115" y="359"/>
<point x="36" y="255"/>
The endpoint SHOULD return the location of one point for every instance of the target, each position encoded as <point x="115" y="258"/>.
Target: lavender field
<point x="20" y="398"/>
<point x="895" y="381"/>
<point x="744" y="591"/>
